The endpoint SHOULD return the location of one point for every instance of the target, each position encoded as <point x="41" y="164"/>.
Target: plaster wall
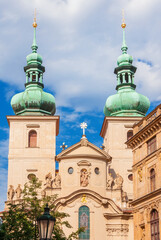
<point x="24" y="160"/>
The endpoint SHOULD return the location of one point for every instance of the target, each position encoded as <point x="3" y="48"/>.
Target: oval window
<point x="130" y="177"/>
<point x="97" y="171"/>
<point x="70" y="170"/>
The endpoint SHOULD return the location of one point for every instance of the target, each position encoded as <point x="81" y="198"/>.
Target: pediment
<point x="83" y="149"/>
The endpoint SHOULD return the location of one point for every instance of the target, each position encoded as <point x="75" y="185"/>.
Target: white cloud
<point x="80" y="42"/>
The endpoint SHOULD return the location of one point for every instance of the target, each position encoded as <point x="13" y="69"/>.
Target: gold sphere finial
<point x="34" y="23"/>
<point x="123" y="25"/>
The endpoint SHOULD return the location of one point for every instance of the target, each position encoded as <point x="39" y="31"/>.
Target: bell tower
<point x="34" y="127"/>
<point x="122" y="110"/>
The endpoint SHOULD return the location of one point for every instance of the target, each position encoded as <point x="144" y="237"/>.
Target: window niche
<point x="129" y="134"/>
<point x="151" y="145"/>
<point x="152" y="180"/>
<point x="32" y="139"/>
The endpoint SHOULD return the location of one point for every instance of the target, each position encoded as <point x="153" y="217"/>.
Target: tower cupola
<point x="126" y="102"/>
<point x="34" y="101"/>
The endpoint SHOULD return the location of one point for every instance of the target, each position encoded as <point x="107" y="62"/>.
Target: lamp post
<point x="45" y="224"/>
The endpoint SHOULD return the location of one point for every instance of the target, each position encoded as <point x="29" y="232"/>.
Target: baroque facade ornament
<point x="48" y="179"/>
<point x="57" y="181"/>
<point x="84" y="178"/>
<point x="110" y="181"/>
<point x="117" y="229"/>
<point x="118" y="182"/>
<point x="140" y="174"/>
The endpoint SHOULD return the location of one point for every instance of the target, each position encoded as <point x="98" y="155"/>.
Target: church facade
<point x="93" y="185"/>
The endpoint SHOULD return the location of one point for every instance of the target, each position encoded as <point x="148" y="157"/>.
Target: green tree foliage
<point x="19" y="222"/>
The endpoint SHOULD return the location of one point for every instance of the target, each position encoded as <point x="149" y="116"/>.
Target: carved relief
<point x="118" y="182"/>
<point x="18" y="191"/>
<point x="84" y="178"/>
<point x="84" y="200"/>
<point x="43" y="193"/>
<point x="117" y="229"/>
<point x="10" y="192"/>
<point x="57" y="181"/>
<point x="140" y="174"/>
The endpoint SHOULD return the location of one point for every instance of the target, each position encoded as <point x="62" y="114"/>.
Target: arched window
<point x="152" y="179"/>
<point x="129" y="134"/>
<point x="154" y="222"/>
<point x="121" y="78"/>
<point x="126" y="77"/>
<point x="32" y="139"/>
<point x="84" y="221"/>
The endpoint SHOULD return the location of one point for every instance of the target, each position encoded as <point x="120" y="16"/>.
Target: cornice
<point x="145" y="133"/>
<point x="146" y="197"/>
<point x="116" y="118"/>
<point x="148" y="157"/>
<point x="35" y="118"/>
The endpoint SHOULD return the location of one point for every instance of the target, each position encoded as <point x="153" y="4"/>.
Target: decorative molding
<point x="31" y="170"/>
<point x="32" y="126"/>
<point x="117" y="229"/>
<point x="84" y="163"/>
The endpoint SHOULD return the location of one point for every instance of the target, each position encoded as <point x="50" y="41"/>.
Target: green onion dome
<point x="126" y="102"/>
<point x="34" y="101"/>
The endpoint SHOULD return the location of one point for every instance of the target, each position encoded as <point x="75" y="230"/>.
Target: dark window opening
<point x="151" y="144"/>
<point x="121" y="80"/>
<point x="126" y="77"/>
<point x="154" y="222"/>
<point x="129" y="134"/>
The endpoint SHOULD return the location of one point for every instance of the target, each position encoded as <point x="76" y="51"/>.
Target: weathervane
<point x="63" y="146"/>
<point x="83" y="126"/>
<point x="123" y="25"/>
<point x="34" y="23"/>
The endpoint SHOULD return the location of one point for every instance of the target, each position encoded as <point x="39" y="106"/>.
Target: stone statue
<point x="48" y="179"/>
<point x="84" y="178"/>
<point x="57" y="181"/>
<point x="124" y="197"/>
<point x="18" y="191"/>
<point x="10" y="192"/>
<point x="43" y="193"/>
<point x="109" y="181"/>
<point x="118" y="182"/>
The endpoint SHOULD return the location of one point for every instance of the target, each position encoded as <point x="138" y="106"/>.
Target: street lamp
<point x="45" y="224"/>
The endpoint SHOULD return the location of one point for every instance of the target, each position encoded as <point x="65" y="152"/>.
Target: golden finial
<point x="123" y="25"/>
<point x="34" y="23"/>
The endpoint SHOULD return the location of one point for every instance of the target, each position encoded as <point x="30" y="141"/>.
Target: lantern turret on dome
<point x="126" y="102"/>
<point x="34" y="101"/>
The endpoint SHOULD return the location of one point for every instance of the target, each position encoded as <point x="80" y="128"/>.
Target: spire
<point x="123" y="25"/>
<point x="34" y="45"/>
<point x="127" y="102"/>
<point x="34" y="101"/>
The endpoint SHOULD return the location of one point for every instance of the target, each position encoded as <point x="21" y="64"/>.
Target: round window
<point x="70" y="170"/>
<point x="31" y="176"/>
<point x="130" y="177"/>
<point x="97" y="171"/>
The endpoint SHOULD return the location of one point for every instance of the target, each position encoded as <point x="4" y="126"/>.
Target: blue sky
<point x="80" y="42"/>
